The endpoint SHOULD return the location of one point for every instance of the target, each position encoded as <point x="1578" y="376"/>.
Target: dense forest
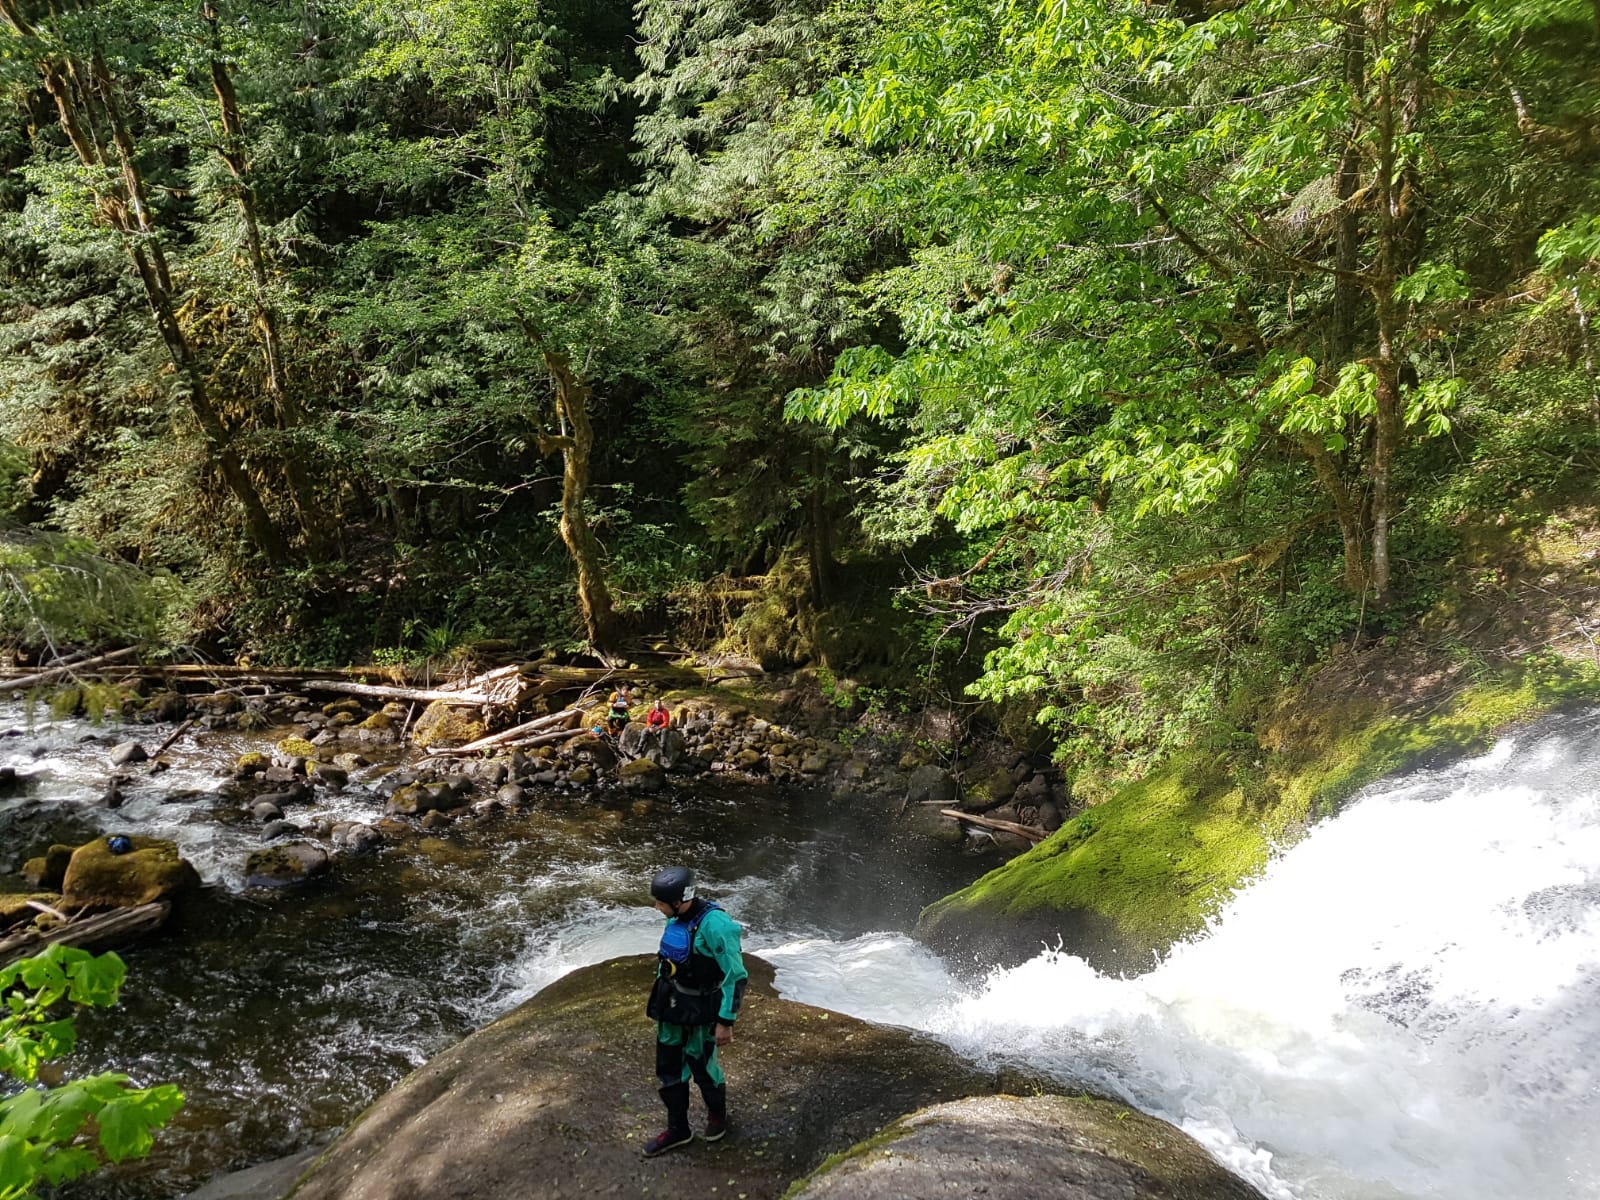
<point x="1112" y="360"/>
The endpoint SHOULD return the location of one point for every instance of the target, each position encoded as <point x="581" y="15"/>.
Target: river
<point x="1406" y="1004"/>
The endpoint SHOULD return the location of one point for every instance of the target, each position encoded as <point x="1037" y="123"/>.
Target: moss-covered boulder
<point x="249" y="763"/>
<point x="97" y="878"/>
<point x="295" y="747"/>
<point x="49" y="869"/>
<point x="642" y="775"/>
<point x="443" y="725"/>
<point x="1122" y="881"/>
<point x="1026" y="1148"/>
<point x="419" y="799"/>
<point x="378" y="722"/>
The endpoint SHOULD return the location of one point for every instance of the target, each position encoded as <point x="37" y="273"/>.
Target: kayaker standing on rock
<point x="699" y="987"/>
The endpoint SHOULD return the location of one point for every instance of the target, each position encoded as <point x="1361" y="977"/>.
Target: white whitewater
<point x="1406" y="1004"/>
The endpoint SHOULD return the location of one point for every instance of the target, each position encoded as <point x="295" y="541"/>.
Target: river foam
<point x="1406" y="1003"/>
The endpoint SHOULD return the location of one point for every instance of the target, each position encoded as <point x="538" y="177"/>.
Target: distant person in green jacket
<point x="698" y="990"/>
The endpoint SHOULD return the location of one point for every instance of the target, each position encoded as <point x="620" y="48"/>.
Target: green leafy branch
<point x="50" y="1135"/>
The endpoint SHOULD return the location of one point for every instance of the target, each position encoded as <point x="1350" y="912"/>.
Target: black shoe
<point x="668" y="1139"/>
<point x="716" y="1129"/>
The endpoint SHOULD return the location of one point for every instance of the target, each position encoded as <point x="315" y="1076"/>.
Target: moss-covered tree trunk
<point x="575" y="443"/>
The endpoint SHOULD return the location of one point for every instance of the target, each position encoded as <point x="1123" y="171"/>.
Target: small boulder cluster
<point x="731" y="740"/>
<point x="300" y="766"/>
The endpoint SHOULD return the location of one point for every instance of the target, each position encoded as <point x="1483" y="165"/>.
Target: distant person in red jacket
<point x="659" y="717"/>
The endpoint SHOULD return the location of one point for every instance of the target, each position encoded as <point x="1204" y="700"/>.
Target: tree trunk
<point x="572" y="406"/>
<point x="145" y="246"/>
<point x="819" y="540"/>
<point x="86" y="104"/>
<point x="1401" y="231"/>
<point x="1346" y="511"/>
<point x="1346" y="288"/>
<point x="286" y="409"/>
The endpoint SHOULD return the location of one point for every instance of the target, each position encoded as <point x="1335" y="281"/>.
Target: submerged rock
<point x="1033" y="1148"/>
<point x="285" y="865"/>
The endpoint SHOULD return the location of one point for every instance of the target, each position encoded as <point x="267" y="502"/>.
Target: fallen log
<point x="101" y="929"/>
<point x="545" y="739"/>
<point x="1033" y="833"/>
<point x="384" y="691"/>
<point x="176" y="734"/>
<point x="54" y="673"/>
<point x="513" y="735"/>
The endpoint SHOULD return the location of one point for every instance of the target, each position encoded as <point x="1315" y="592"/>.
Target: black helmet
<point x="673" y="885"/>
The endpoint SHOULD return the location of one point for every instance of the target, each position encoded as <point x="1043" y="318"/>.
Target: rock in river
<point x="128" y="753"/>
<point x="1030" y="1148"/>
<point x="285" y="865"/>
<point x="556" y="1098"/>
<point x="152" y="870"/>
<point x="642" y="775"/>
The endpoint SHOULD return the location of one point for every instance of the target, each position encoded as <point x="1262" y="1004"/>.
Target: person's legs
<point x="700" y="1055"/>
<point x="672" y="1074"/>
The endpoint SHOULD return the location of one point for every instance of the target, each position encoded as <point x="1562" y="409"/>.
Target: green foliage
<point x="57" y="589"/>
<point x="52" y="1135"/>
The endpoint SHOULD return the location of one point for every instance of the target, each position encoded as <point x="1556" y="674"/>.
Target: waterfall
<point x="1405" y="1004"/>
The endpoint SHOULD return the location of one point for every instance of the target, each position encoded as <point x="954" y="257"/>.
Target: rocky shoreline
<point x="784" y="735"/>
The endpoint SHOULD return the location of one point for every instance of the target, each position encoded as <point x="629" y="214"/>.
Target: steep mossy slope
<point x="1125" y="879"/>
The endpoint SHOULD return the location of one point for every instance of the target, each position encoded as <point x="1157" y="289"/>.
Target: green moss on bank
<point x="1149" y="866"/>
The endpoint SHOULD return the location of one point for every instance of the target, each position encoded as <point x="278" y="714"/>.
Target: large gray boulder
<point x="1028" y="1148"/>
<point x="556" y="1099"/>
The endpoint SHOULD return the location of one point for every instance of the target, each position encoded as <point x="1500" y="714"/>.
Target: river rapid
<point x="1406" y="1004"/>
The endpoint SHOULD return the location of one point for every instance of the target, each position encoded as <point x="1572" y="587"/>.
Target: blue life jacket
<point x="677" y="939"/>
<point x="688" y="987"/>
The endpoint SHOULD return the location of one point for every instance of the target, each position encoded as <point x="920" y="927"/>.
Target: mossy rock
<point x="380" y="722"/>
<point x="346" y="707"/>
<point x="642" y="775"/>
<point x="1121" y="882"/>
<point x="165" y="706"/>
<point x="285" y="865"/>
<point x="419" y="799"/>
<point x="48" y="870"/>
<point x="250" y="762"/>
<point x="153" y="870"/>
<point x="1026" y="1148"/>
<point x="444" y="725"/>
<point x="296" y="747"/>
<point x="15" y="909"/>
